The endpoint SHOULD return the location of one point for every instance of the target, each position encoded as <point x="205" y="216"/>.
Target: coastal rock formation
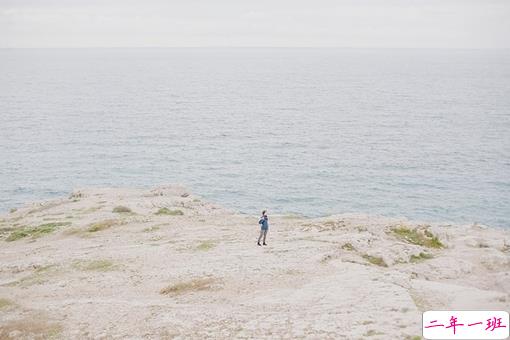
<point x="163" y="263"/>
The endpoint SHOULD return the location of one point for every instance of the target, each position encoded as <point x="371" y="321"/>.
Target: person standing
<point x="264" y="226"/>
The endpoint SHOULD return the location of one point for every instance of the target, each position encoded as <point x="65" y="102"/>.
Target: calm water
<point x="416" y="133"/>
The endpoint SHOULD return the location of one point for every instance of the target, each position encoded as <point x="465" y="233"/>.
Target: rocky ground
<point x="162" y="263"/>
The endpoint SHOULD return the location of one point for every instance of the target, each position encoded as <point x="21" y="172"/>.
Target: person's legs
<point x="260" y="236"/>
<point x="265" y="233"/>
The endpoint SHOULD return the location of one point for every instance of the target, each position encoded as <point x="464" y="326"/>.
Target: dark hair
<point x="263" y="212"/>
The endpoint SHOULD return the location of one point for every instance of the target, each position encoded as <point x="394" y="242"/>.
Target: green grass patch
<point x="35" y="232"/>
<point x="39" y="276"/>
<point x="419" y="236"/>
<point x="18" y="234"/>
<point x="72" y="231"/>
<point x="188" y="286"/>
<point x="121" y="209"/>
<point x="166" y="211"/>
<point x="5" y="303"/>
<point x="420" y="257"/>
<point x="372" y="332"/>
<point x="400" y="261"/>
<point x="94" y="265"/>
<point x="376" y="260"/>
<point x="151" y="229"/>
<point x="98" y="226"/>
<point x="206" y="245"/>
<point x="348" y="246"/>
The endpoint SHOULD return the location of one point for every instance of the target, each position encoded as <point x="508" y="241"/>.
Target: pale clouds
<point x="340" y="23"/>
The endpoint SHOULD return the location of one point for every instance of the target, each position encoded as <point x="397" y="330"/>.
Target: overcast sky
<point x="335" y="23"/>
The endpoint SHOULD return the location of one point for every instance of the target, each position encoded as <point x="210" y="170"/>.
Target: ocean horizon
<point x="418" y="133"/>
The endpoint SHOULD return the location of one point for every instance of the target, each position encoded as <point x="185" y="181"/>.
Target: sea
<point x="416" y="133"/>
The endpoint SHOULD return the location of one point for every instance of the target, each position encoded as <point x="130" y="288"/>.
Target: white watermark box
<point x="461" y="324"/>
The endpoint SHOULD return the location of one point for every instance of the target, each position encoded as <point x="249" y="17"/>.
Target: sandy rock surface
<point x="163" y="263"/>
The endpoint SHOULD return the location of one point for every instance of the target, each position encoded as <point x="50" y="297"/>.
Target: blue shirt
<point x="264" y="223"/>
